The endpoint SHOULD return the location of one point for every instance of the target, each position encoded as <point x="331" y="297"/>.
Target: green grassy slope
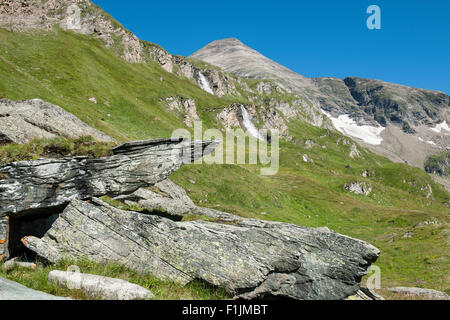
<point x="67" y="69"/>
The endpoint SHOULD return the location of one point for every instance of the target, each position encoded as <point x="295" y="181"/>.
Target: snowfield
<point x="440" y="127"/>
<point x="348" y="126"/>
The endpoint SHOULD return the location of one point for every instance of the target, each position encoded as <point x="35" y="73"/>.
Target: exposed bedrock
<point x="250" y="258"/>
<point x="24" y="121"/>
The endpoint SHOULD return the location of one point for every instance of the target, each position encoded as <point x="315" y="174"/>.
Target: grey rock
<point x="421" y="292"/>
<point x="354" y="152"/>
<point x="359" y="188"/>
<point x="234" y="57"/>
<point x="98" y="286"/>
<point x="306" y="158"/>
<point x="250" y="258"/>
<point x="386" y="102"/>
<point x="164" y="195"/>
<point x="47" y="185"/>
<point x="232" y="117"/>
<point x="10" y="290"/>
<point x="23" y="121"/>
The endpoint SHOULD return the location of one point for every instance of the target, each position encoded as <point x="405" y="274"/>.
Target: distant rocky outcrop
<point x="249" y="258"/>
<point x="233" y="116"/>
<point x="23" y="121"/>
<point x="439" y="164"/>
<point x="357" y="187"/>
<point x="186" y="107"/>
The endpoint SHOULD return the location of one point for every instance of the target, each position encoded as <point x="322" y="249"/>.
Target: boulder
<point x="99" y="287"/>
<point x="365" y="294"/>
<point x="247" y="257"/>
<point x="357" y="187"/>
<point x="23" y="121"/>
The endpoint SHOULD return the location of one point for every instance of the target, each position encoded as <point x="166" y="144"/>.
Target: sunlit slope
<point x="410" y="229"/>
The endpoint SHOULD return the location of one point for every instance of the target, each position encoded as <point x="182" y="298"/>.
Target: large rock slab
<point x="172" y="200"/>
<point x="99" y="287"/>
<point x="10" y="290"/>
<point x="165" y="195"/>
<point x="50" y="183"/>
<point x="23" y="121"/>
<point x="249" y="258"/>
<point x="35" y="192"/>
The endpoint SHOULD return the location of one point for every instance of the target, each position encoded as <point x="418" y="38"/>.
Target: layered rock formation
<point x="33" y="188"/>
<point x="249" y="258"/>
<point x="23" y="121"/>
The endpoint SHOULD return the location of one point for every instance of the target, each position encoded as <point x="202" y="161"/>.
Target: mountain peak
<point x="235" y="57"/>
<point x="227" y="42"/>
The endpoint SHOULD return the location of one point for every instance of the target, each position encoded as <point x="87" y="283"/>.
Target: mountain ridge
<point x="417" y="112"/>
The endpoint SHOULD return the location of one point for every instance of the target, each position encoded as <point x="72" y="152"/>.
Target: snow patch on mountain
<point x="348" y="126"/>
<point x="440" y="127"/>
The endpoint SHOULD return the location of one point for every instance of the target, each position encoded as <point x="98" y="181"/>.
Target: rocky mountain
<point x="403" y="123"/>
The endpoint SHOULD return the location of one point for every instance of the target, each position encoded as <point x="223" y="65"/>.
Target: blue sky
<point x="314" y="38"/>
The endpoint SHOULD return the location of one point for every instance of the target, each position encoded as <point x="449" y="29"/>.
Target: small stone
<point x="408" y="235"/>
<point x="99" y="286"/>
<point x="14" y="263"/>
